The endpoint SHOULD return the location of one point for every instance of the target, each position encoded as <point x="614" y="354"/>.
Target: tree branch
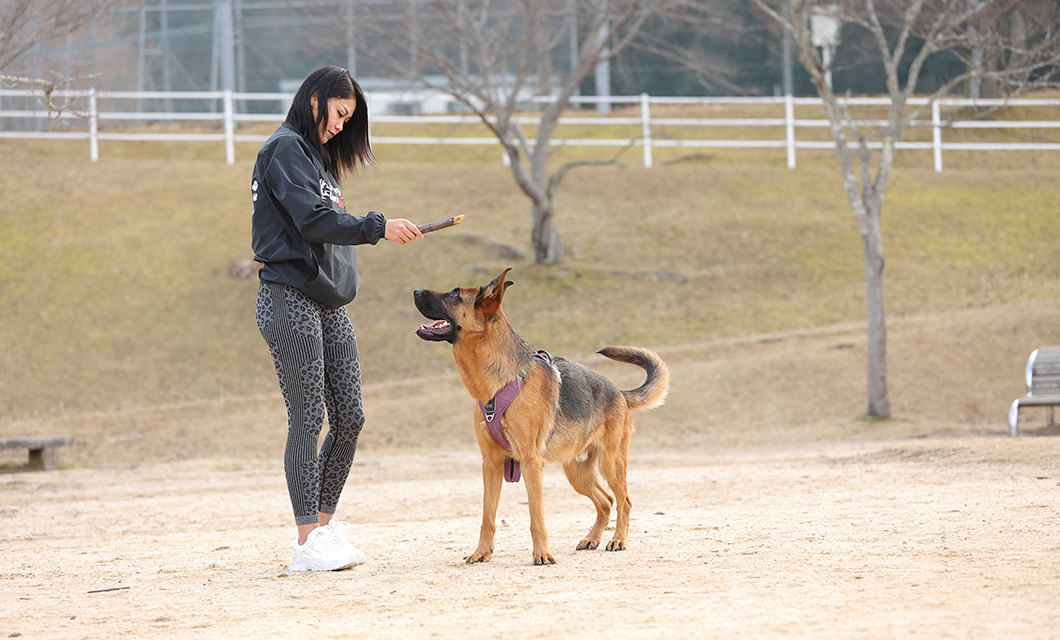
<point x="48" y="89"/>
<point x="561" y="173"/>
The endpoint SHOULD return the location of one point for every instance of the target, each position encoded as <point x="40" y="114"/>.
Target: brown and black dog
<point x="564" y="411"/>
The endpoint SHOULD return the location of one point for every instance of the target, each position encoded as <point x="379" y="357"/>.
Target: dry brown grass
<point x="116" y="295"/>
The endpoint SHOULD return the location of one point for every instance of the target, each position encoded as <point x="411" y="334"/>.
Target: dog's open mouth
<point x="440" y="326"/>
<point x="436" y="329"/>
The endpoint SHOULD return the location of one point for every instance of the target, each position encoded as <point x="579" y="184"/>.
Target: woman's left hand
<point x="401" y="231"/>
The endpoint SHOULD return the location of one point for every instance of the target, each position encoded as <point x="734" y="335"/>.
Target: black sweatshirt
<point x="301" y="232"/>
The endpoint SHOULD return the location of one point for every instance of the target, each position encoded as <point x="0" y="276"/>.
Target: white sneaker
<point x="338" y="531"/>
<point x="321" y="552"/>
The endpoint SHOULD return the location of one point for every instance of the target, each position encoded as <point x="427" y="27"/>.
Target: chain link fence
<point x="270" y="45"/>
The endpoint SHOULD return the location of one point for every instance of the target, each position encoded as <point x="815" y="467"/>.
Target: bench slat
<point x="1040" y="400"/>
<point x="1039" y="385"/>
<point x="35" y="442"/>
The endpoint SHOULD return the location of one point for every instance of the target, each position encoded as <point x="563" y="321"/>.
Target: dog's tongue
<point x="432" y="327"/>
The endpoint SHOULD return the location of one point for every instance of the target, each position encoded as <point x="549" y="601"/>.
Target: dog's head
<point x="460" y="311"/>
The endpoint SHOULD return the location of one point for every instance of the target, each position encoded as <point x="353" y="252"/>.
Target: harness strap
<point x="494" y="410"/>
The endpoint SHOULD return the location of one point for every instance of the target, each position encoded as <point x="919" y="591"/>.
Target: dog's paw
<point x="543" y="559"/>
<point x="616" y="545"/>
<point x="588" y="544"/>
<point x="478" y="557"/>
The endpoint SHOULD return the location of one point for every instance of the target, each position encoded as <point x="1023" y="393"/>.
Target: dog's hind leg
<point x="583" y="477"/>
<point x="492" y="479"/>
<point x="615" y="459"/>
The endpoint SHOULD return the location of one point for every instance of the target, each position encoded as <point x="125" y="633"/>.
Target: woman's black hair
<point x="350" y="148"/>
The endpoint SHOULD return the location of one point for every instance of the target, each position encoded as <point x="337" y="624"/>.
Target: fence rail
<point x="229" y="117"/>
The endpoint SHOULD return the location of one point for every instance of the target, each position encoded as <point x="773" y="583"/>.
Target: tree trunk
<point x="879" y="404"/>
<point x="548" y="249"/>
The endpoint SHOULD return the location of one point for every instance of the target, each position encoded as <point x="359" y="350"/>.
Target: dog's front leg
<point x="492" y="479"/>
<point x="533" y="474"/>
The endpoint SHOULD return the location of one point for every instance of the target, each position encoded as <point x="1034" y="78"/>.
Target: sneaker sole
<point x="338" y="568"/>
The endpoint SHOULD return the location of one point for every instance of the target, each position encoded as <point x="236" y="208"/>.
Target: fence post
<point x="230" y="128"/>
<point x="93" y="125"/>
<point x="645" y="128"/>
<point x="789" y="128"/>
<point x="936" y="135"/>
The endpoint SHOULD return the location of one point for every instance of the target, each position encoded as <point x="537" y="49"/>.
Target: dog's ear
<point x="496" y="287"/>
<point x="490" y="296"/>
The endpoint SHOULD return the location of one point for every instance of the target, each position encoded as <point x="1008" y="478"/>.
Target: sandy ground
<point x="941" y="538"/>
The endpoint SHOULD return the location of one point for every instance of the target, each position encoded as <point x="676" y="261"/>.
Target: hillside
<point x="124" y="312"/>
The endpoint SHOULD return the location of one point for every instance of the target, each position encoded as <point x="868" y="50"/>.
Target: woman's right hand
<point x="401" y="231"/>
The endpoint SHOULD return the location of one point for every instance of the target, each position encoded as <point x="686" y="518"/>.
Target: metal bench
<point x="43" y="450"/>
<point x="1043" y="386"/>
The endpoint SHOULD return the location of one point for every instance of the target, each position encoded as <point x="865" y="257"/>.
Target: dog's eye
<point x="454" y="294"/>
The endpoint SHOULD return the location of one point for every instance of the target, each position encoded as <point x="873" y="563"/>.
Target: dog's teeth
<point x="437" y="325"/>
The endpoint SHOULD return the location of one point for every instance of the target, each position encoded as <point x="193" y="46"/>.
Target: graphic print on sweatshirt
<point x="331" y="192"/>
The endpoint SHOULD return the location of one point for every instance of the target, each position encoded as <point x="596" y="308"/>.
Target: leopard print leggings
<point x="315" y="352"/>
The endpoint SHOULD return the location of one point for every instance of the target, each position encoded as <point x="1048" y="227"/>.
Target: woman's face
<point x="339" y="112"/>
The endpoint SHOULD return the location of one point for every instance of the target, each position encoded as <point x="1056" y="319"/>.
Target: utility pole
<point x="351" y="50"/>
<point x="224" y="47"/>
<point x="240" y="51"/>
<point x="788" y="89"/>
<point x="572" y="38"/>
<point x="975" y="83"/>
<point x="163" y="27"/>
<point x="603" y="71"/>
<point x="824" y="30"/>
<point x="141" y="68"/>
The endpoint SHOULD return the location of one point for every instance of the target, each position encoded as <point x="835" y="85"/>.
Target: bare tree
<point x="1021" y="38"/>
<point x="26" y="23"/>
<point x="492" y="56"/>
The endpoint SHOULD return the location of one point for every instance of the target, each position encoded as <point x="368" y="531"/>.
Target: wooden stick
<point x="440" y="224"/>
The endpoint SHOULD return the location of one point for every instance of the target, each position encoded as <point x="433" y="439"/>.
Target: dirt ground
<point x="762" y="507"/>
<point x="938" y="539"/>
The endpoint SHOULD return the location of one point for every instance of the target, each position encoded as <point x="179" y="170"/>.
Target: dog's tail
<point x="653" y="392"/>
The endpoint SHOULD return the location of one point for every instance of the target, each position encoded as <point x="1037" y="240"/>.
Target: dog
<point x="557" y="411"/>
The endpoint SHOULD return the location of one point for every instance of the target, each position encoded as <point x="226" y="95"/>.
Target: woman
<point x="305" y="241"/>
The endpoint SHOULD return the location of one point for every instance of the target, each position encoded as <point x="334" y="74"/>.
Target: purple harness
<point x="495" y="408"/>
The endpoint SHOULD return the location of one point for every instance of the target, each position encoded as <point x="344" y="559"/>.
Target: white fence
<point x="785" y="126"/>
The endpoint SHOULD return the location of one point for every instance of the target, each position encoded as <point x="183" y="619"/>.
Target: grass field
<point x="116" y="285"/>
